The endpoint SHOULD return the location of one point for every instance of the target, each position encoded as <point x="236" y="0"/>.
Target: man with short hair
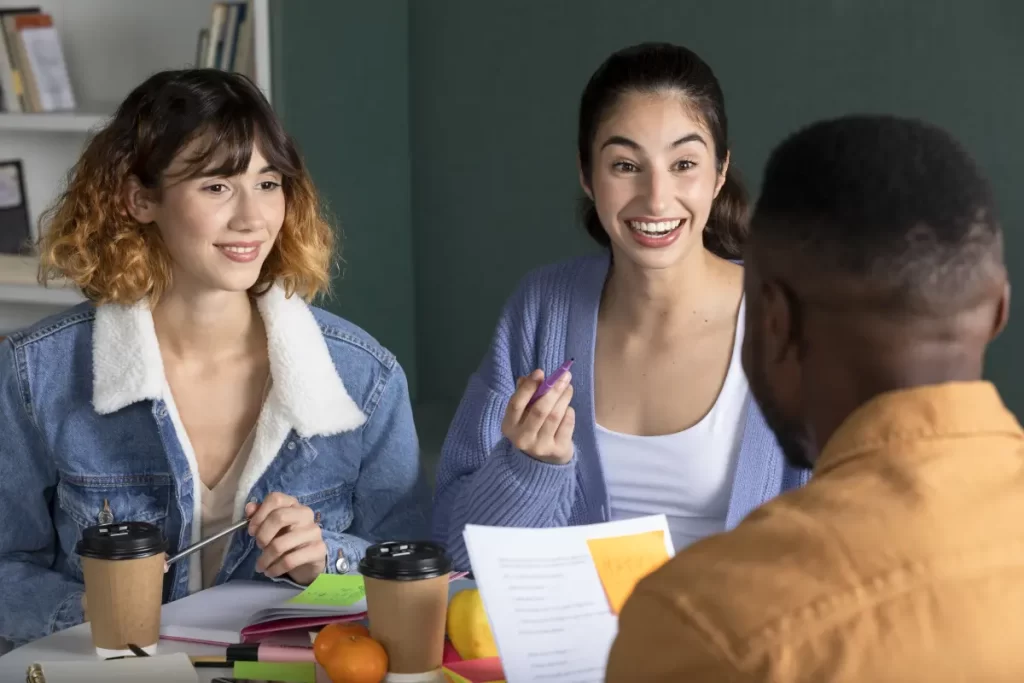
<point x="874" y="282"/>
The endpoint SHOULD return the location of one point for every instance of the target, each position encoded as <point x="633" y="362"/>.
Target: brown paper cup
<point x="407" y="602"/>
<point x="123" y="568"/>
<point x="124" y="599"/>
<point x="408" y="619"/>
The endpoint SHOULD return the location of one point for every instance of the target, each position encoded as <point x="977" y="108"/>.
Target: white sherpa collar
<point x="128" y="368"/>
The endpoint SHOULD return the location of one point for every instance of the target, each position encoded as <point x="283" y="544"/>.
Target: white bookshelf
<point x="20" y="284"/>
<point x="110" y="46"/>
<point x="64" y="122"/>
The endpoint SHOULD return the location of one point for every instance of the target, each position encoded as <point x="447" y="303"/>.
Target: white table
<point x="76" y="643"/>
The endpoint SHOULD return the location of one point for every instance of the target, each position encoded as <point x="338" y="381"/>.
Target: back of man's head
<point x="883" y="210"/>
<point x="875" y="262"/>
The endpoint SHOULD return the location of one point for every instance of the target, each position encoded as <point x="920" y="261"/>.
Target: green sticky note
<point x="301" y="672"/>
<point x="336" y="590"/>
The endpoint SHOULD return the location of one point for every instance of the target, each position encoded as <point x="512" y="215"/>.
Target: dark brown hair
<point x="89" y="236"/>
<point x="654" y="67"/>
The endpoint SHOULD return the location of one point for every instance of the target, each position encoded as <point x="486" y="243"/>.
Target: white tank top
<point x="688" y="475"/>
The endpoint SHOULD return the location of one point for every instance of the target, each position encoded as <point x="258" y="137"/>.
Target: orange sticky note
<point x="622" y="561"/>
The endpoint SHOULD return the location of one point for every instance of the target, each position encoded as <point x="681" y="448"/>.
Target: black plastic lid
<point x="127" y="541"/>
<point x="405" y="561"/>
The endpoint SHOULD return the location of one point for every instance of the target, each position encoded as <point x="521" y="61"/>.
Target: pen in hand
<point x="206" y="541"/>
<point x="550" y="382"/>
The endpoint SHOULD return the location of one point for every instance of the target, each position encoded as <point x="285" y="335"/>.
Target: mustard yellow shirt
<point x="901" y="560"/>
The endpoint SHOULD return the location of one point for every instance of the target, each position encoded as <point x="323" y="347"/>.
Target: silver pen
<point x="206" y="541"/>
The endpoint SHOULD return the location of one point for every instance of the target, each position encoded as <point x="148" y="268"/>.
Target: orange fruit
<point x="331" y="634"/>
<point x="355" y="659"/>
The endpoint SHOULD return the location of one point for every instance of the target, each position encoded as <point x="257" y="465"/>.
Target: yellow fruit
<point x="468" y="628"/>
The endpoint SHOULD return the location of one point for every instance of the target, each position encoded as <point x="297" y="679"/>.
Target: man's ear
<point x="139" y="201"/>
<point x="583" y="179"/>
<point x="1002" y="312"/>
<point x="720" y="182"/>
<point x="779" y="320"/>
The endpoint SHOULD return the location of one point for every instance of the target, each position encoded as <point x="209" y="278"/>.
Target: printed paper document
<point x="551" y="614"/>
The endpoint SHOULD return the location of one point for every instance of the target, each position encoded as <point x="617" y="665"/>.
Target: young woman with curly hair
<point x="197" y="385"/>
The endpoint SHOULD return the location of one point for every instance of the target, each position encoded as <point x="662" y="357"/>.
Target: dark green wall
<point x="340" y="82"/>
<point x="495" y="87"/>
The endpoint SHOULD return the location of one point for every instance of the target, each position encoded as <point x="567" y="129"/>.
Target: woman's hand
<point x="290" y="538"/>
<point x="544" y="430"/>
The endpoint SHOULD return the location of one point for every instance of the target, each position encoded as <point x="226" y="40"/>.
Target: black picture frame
<point x="15" y="225"/>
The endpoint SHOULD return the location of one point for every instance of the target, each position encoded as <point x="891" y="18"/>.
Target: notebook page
<point x="219" y="614"/>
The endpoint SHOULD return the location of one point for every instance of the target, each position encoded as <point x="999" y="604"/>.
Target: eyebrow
<point x="626" y="142"/>
<point x="217" y="172"/>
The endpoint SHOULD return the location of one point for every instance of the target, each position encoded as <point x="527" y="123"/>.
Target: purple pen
<point x="549" y="382"/>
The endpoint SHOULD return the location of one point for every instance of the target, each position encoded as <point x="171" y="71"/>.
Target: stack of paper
<point x="552" y="595"/>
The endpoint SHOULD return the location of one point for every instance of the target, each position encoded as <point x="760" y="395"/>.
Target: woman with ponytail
<point x="656" y="416"/>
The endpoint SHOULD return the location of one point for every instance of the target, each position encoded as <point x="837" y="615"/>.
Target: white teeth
<point x="240" y="250"/>
<point x="659" y="228"/>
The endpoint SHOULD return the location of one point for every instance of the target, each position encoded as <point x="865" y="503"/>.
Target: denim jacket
<point x="88" y="422"/>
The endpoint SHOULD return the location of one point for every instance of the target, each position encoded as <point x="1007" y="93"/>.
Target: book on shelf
<point x="33" y="72"/>
<point x="226" y="43"/>
<point x="11" y="90"/>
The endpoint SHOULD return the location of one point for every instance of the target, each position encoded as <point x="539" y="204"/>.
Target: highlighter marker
<point x="255" y="652"/>
<point x="546" y="385"/>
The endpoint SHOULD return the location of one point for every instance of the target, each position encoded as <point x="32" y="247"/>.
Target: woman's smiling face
<point x="653" y="178"/>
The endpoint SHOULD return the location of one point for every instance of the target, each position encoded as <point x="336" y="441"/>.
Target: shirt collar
<point x="944" y="410"/>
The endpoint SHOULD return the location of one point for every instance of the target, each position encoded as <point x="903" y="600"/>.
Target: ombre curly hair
<point x="90" y="238"/>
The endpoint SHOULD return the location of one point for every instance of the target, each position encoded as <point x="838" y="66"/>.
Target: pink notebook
<point x="258" y="632"/>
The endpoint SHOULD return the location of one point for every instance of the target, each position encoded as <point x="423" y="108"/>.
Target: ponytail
<point x="592" y="223"/>
<point x="729" y="222"/>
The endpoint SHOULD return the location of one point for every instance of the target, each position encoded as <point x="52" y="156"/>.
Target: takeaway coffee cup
<point x="407" y="602"/>
<point x="123" y="566"/>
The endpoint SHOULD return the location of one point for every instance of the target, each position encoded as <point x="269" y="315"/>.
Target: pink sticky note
<point x="450" y="653"/>
<point x="482" y="670"/>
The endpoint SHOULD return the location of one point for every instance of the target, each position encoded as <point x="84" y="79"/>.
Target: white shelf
<point x="18" y="285"/>
<point x="56" y="122"/>
<point x="37" y="295"/>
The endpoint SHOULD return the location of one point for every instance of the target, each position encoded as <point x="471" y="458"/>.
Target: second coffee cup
<point x="123" y="565"/>
<point x="407" y="602"/>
